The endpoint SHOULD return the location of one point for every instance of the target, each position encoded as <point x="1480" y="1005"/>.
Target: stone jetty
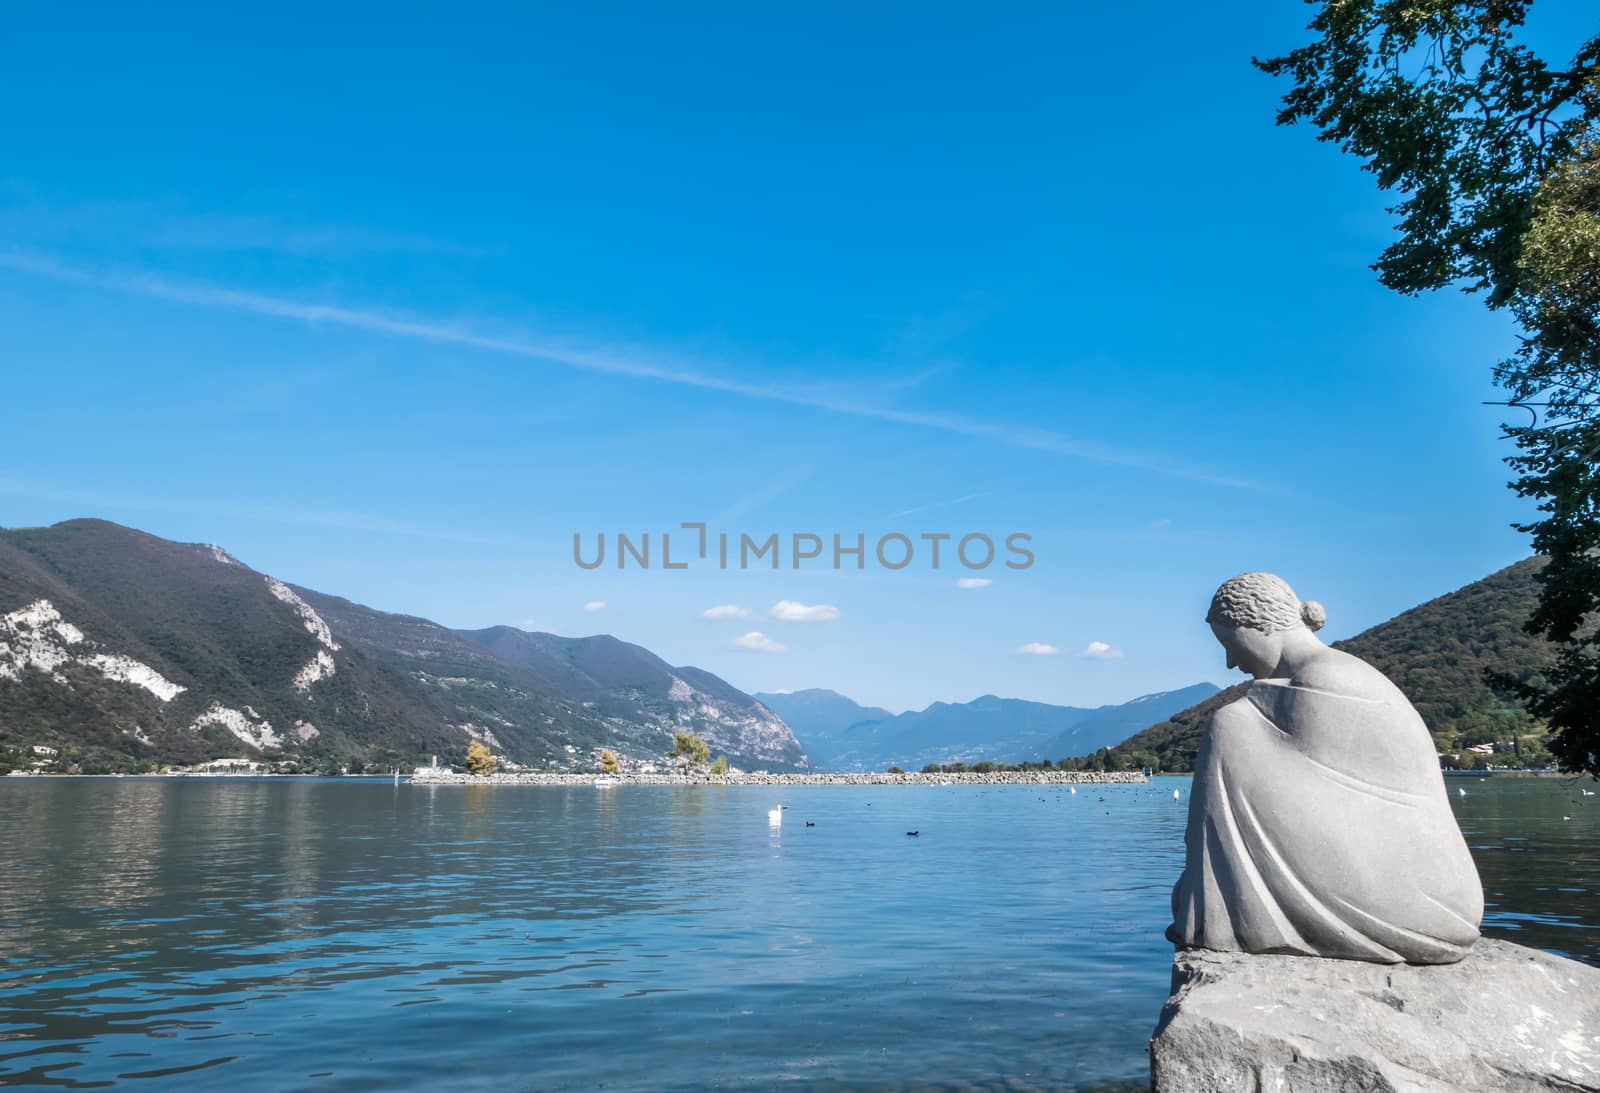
<point x="966" y="778"/>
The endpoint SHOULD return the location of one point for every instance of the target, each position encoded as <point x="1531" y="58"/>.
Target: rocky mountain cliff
<point x="126" y="651"/>
<point x="821" y="718"/>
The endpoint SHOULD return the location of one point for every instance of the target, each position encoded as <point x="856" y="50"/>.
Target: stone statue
<point x="1318" y="822"/>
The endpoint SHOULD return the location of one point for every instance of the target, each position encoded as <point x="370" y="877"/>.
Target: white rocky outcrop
<point x="248" y="727"/>
<point x="320" y="666"/>
<point x="125" y="669"/>
<point x="481" y="733"/>
<point x="37" y="638"/>
<point x="1505" y="1018"/>
<point x="308" y="615"/>
<point x="217" y="554"/>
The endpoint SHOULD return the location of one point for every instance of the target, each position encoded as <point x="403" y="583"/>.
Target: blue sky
<point x="392" y="302"/>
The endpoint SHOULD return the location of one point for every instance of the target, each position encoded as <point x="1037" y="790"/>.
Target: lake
<point x="349" y="934"/>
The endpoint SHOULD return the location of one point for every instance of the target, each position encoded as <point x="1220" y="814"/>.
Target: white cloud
<point x="1099" y="650"/>
<point x="974" y="582"/>
<point x="1038" y="649"/>
<point x="725" y="611"/>
<point x="595" y="605"/>
<point x="528" y="624"/>
<point x="759" y="642"/>
<point x="795" y="611"/>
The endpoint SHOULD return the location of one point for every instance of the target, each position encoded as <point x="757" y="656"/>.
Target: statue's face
<point x="1250" y="649"/>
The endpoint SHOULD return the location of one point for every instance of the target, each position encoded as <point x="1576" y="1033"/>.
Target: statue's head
<point x="1254" y="614"/>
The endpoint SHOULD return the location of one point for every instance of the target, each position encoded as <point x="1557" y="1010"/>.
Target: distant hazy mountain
<point x="124" y="650"/>
<point x="1114" y="724"/>
<point x="1001" y="729"/>
<point x="819" y="717"/>
<point x="1436" y="653"/>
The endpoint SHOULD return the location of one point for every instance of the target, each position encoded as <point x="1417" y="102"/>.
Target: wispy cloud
<point x="795" y="611"/>
<point x="974" y="582"/>
<point x="595" y="605"/>
<point x="725" y="611"/>
<point x="1038" y="649"/>
<point x="609" y="360"/>
<point x="936" y="505"/>
<point x="758" y="642"/>
<point x="764" y="493"/>
<point x="1099" y="650"/>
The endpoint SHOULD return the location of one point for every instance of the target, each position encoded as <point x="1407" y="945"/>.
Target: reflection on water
<point x="1535" y="842"/>
<point x="347" y="934"/>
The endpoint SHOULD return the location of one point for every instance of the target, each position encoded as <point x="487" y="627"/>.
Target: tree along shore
<point x="966" y="778"/>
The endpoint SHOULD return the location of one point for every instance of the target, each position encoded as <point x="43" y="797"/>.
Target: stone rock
<point x="1505" y="1019"/>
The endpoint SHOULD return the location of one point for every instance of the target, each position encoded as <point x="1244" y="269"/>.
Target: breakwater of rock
<point x="966" y="778"/>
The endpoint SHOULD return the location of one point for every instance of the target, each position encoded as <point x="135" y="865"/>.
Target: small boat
<point x="605" y="781"/>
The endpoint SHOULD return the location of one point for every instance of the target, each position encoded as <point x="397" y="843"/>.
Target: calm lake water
<point x="345" y="934"/>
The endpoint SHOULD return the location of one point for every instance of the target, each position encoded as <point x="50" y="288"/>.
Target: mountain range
<point x="128" y="651"/>
<point x="1438" y="654"/>
<point x="839" y="734"/>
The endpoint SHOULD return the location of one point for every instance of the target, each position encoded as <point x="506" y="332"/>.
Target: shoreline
<point x="968" y="778"/>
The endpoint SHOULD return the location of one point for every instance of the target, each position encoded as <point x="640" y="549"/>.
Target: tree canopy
<point x="480" y="760"/>
<point x="1495" y="152"/>
<point x="691" y="747"/>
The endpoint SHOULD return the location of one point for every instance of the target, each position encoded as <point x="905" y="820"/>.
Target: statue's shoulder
<point x="1341" y="673"/>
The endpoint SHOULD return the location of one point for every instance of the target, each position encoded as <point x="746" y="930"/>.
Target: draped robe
<point x="1319" y="825"/>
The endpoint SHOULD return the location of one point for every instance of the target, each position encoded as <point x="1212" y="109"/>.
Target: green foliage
<point x="690" y="746"/>
<point x="1558" y="370"/>
<point x="1497" y="154"/>
<point x="608" y="761"/>
<point x="480" y="760"/>
<point x="931" y="768"/>
<point x="1443" y="104"/>
<point x="893" y="769"/>
<point x="720" y="766"/>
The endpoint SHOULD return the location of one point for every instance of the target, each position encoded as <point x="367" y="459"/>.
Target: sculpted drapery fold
<point x="1318" y="821"/>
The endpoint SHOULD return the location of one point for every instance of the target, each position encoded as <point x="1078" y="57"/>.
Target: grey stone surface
<point x="1318" y="823"/>
<point x="1505" y="1019"/>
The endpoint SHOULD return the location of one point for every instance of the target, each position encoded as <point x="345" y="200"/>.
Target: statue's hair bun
<point x="1314" y="615"/>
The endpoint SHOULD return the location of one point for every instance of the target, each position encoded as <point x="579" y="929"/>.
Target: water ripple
<point x="344" y="934"/>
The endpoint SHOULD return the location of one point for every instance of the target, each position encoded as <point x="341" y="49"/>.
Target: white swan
<point x="775" y="817"/>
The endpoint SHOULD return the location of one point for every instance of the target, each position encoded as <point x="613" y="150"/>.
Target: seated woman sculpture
<point x="1318" y="822"/>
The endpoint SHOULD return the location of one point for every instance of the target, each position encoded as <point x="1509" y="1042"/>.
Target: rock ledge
<point x="1506" y="1019"/>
